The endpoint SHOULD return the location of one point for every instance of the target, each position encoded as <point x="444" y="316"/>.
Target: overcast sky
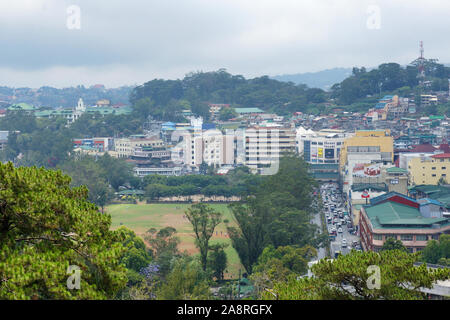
<point x="126" y="42"/>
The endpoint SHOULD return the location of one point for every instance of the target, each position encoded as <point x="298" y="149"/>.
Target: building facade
<point x="397" y="216"/>
<point x="429" y="169"/>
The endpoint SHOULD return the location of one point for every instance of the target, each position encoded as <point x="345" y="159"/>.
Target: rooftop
<point x="396" y="170"/>
<point x="248" y="110"/>
<point x="391" y="214"/>
<point x="441" y="156"/>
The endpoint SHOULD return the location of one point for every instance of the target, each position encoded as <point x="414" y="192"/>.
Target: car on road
<point x="339" y="230"/>
<point x="344" y="243"/>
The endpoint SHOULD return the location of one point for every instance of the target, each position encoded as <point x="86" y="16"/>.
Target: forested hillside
<point x="388" y="78"/>
<point x="196" y="90"/>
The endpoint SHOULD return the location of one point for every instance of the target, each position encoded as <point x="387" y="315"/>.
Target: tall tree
<point x="218" y="260"/>
<point x="278" y="213"/>
<point x="204" y="220"/>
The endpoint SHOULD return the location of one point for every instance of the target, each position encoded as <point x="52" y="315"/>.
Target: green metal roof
<point x="130" y="192"/>
<point x="248" y="110"/>
<point x="396" y="170"/>
<point x="388" y="215"/>
<point x="22" y="106"/>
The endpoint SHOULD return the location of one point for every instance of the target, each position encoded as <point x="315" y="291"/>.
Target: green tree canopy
<point x="46" y="226"/>
<point x="349" y="278"/>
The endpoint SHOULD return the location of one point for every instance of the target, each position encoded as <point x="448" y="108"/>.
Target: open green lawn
<point x="141" y="217"/>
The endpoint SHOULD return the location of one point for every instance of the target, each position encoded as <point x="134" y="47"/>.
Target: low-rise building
<point x="125" y="147"/>
<point x="397" y="216"/>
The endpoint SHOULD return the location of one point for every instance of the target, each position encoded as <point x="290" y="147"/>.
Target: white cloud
<point x="135" y="41"/>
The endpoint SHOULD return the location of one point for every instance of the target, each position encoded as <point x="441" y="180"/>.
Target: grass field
<point x="141" y="217"/>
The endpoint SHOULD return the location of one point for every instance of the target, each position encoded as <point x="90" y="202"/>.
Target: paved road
<point x="321" y="252"/>
<point x="337" y="244"/>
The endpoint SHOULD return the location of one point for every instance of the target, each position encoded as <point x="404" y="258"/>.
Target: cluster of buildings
<point x="102" y="107"/>
<point x="174" y="149"/>
<point x="388" y="162"/>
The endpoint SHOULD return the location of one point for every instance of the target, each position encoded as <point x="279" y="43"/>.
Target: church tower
<point x="80" y="106"/>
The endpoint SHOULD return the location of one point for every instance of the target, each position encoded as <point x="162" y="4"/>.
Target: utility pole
<point x="239" y="285"/>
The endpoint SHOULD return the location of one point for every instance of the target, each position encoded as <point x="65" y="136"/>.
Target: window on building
<point x="435" y="237"/>
<point x="433" y="175"/>
<point x="406" y="237"/>
<point x="421" y="237"/>
<point x="378" y="237"/>
<point x="433" y="168"/>
<point x="410" y="249"/>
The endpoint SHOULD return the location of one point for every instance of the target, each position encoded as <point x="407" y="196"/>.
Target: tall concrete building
<point x="211" y="147"/>
<point x="265" y="145"/>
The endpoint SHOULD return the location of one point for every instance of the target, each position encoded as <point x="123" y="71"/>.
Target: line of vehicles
<point x="339" y="222"/>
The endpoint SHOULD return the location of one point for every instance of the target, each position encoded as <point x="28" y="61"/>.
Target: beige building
<point x="364" y="154"/>
<point x="125" y="147"/>
<point x="429" y="169"/>
<point x="265" y="145"/>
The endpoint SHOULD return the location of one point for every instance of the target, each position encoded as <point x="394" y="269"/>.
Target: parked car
<point x="344" y="243"/>
<point x="339" y="230"/>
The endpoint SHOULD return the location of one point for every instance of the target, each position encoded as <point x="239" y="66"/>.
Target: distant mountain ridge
<point x="324" y="79"/>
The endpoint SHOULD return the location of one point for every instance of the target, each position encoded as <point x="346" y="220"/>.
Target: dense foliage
<point x="387" y="78"/>
<point x="197" y="89"/>
<point x="349" y="278"/>
<point x="438" y="252"/>
<point x="46" y="226"/>
<point x="278" y="213"/>
<point x="237" y="182"/>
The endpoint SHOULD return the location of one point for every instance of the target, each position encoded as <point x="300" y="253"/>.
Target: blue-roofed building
<point x="208" y="126"/>
<point x="168" y="126"/>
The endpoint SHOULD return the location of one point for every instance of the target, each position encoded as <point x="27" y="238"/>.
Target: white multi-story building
<point x="265" y="145"/>
<point x="210" y="147"/>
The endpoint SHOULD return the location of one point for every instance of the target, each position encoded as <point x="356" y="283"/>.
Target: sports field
<point x="141" y="217"/>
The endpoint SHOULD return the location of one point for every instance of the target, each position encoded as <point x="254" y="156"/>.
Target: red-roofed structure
<point x="445" y="147"/>
<point x="423" y="148"/>
<point x="441" y="156"/>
